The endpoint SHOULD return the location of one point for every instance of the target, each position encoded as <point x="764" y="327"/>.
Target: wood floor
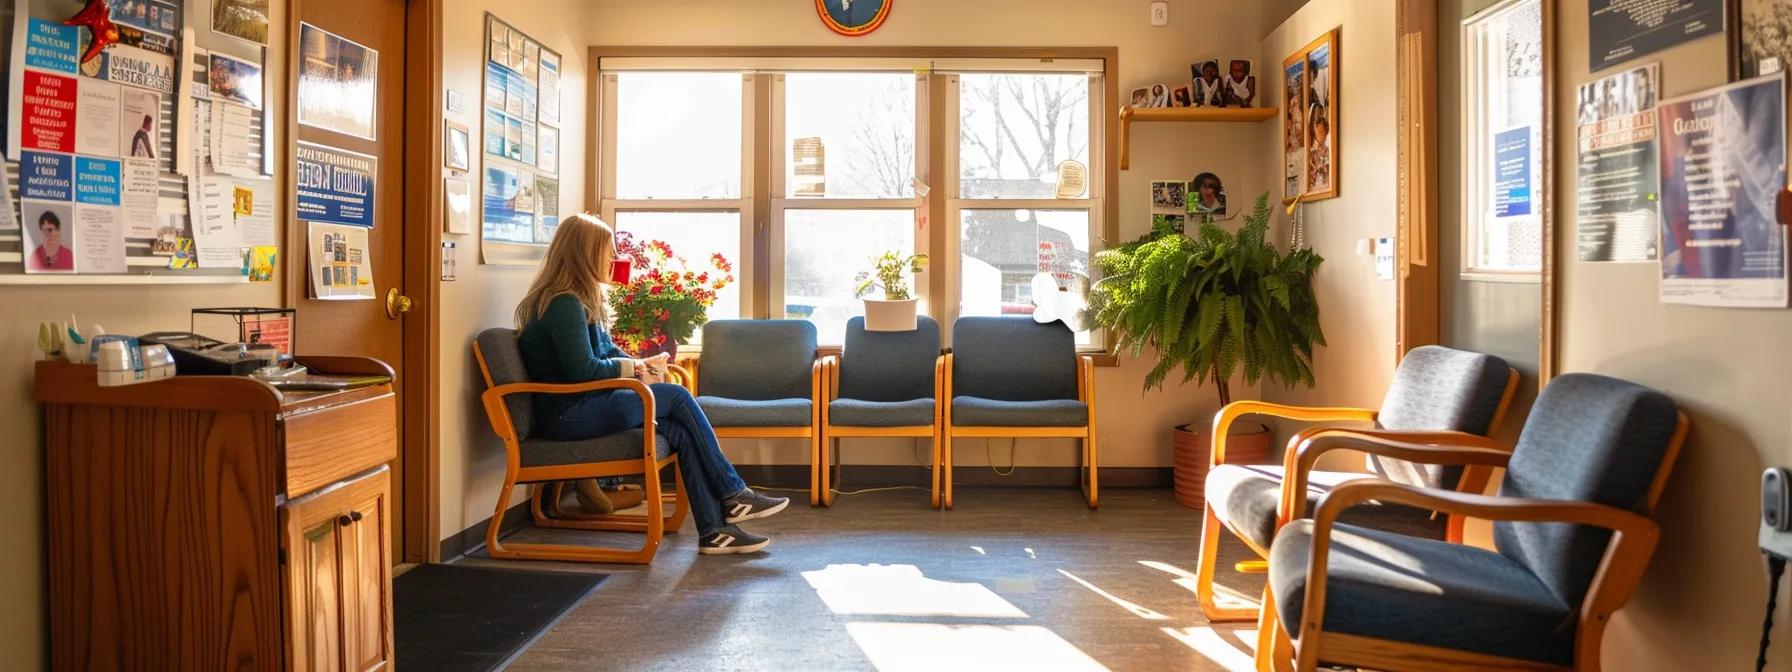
<point x="1012" y="578"/>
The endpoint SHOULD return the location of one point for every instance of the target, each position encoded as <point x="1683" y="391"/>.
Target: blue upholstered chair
<point x="1572" y="535"/>
<point x="1437" y="393"/>
<point x="1013" y="377"/>
<point x="883" y="383"/>
<point x="760" y="379"/>
<point x="508" y="401"/>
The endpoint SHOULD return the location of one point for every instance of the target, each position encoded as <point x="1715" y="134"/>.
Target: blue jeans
<point x="708" y="476"/>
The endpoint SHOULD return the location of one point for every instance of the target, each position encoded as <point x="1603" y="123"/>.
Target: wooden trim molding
<point x="1547" y="329"/>
<point x="1416" y="288"/>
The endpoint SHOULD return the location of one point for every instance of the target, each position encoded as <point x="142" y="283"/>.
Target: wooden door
<point x="315" y="584"/>
<point x="367" y="574"/>
<point x="363" y="327"/>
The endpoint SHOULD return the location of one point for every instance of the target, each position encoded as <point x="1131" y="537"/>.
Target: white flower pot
<point x="881" y="315"/>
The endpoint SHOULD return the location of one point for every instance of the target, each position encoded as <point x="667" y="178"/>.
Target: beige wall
<point x="1699" y="607"/>
<point x="1356" y="309"/>
<point x="472" y="458"/>
<point x="124" y="309"/>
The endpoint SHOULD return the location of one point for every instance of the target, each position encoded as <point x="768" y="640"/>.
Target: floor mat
<point x="454" y="618"/>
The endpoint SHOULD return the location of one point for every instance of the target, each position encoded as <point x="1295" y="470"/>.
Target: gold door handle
<point x="396" y="303"/>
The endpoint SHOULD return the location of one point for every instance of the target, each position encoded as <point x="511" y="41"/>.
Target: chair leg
<point x="653" y="525"/>
<point x="1209" y="558"/>
<point x="1272" y="644"/>
<point x="829" y="444"/>
<point x="934" y="468"/>
<point x="946" y="471"/>
<point x="1091" y="482"/>
<point x="815" y="470"/>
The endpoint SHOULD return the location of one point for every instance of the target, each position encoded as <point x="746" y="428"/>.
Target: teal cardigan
<point x="563" y="345"/>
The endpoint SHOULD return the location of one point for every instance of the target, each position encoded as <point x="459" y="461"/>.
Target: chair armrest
<point x="690" y="365"/>
<point x="945" y="366"/>
<point x="830" y="376"/>
<point x="1633" y="541"/>
<point x="493" y="399"/>
<point x="1085" y="381"/>
<point x="1424" y="447"/>
<point x="1222" y="421"/>
<point x="682" y="377"/>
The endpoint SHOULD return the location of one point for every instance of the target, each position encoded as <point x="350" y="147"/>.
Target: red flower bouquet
<point x="663" y="306"/>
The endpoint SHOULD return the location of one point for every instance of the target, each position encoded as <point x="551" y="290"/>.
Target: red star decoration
<point x="97" y="18"/>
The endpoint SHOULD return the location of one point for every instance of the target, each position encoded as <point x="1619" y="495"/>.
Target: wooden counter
<point x="214" y="522"/>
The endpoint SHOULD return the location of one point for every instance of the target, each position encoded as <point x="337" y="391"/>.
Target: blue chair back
<point x="1589" y="438"/>
<point x="757" y="360"/>
<point x="889" y="365"/>
<point x="1013" y="359"/>
<point x="1435" y="389"/>
<point x="504" y="361"/>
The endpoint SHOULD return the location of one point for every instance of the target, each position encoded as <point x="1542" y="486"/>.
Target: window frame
<point x="1478" y="50"/>
<point x="763" y="203"/>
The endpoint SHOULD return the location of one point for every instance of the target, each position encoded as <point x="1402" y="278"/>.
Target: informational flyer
<point x="1617" y="187"/>
<point x="102" y="240"/>
<point x="1512" y="172"/>
<point x="52" y="46"/>
<point x="252" y="205"/>
<point x="139" y="125"/>
<point x="1723" y="167"/>
<point x="142" y="68"/>
<point x="218" y="241"/>
<point x="50" y="242"/>
<point x="46" y="176"/>
<point x="549" y="95"/>
<point x="233" y="150"/>
<point x="139" y="193"/>
<point x="1620" y="30"/>
<point x="96" y="118"/>
<point x="509" y="212"/>
<point x="98" y="181"/>
<point x="341" y="267"/>
<point x="335" y="185"/>
<point x="47" y="112"/>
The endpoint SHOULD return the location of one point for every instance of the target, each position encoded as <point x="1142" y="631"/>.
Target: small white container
<point x="882" y="315"/>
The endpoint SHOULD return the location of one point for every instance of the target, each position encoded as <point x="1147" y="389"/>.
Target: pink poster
<point x="49" y="112"/>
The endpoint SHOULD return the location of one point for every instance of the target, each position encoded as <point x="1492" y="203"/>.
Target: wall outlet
<point x="1160" y="13"/>
<point x="1776" y="512"/>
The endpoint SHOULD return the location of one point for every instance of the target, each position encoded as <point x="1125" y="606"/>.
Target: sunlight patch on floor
<point x="1136" y="610"/>
<point x="930" y="647"/>
<point x="1223" y="597"/>
<point x="901" y="590"/>
<point x="1208" y="642"/>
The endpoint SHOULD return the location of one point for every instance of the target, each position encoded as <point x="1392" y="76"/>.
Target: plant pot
<point x="883" y="315"/>
<point x="651" y="349"/>
<point x="1192" y="447"/>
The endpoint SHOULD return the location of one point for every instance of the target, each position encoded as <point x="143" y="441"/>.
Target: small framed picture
<point x="1182" y="96"/>
<point x="457" y="152"/>
<point x="1160" y="95"/>
<point x="1240" y="83"/>
<point x="1169" y="194"/>
<point x="1208" y="92"/>
<point x="1141" y="97"/>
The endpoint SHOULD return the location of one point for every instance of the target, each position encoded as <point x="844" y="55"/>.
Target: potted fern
<point x="889" y="272"/>
<point x="1212" y="305"/>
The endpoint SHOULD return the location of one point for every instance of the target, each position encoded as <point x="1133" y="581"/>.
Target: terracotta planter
<point x="881" y="315"/>
<point x="1192" y="443"/>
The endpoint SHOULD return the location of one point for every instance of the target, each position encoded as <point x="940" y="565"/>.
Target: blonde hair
<point x="577" y="263"/>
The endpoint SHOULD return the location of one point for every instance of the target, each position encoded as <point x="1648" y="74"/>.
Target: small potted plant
<point x="890" y="271"/>
<point x="660" y="308"/>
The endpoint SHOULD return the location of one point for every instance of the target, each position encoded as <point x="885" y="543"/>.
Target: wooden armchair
<point x="1013" y="377"/>
<point x="1437" y="395"/>
<point x="1572" y="536"/>
<point x="548" y="464"/>
<point x="760" y="379"/>
<point x="891" y="389"/>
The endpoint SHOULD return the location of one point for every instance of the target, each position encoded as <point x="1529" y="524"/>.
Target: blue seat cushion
<point x="623" y="445"/>
<point x="1419" y="591"/>
<point x="861" y="413"/>
<point x="1246" y="497"/>
<point x="980" y="412"/>
<point x="725" y="412"/>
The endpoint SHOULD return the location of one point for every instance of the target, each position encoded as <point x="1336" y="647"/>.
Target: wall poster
<point x="337" y="83"/>
<point x="1618" y="182"/>
<point x="1620" y="30"/>
<point x="1723" y="168"/>
<point x="1310" y="120"/>
<point x="520" y="141"/>
<point x="334" y="185"/>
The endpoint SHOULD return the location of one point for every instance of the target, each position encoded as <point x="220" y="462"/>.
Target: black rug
<point x="450" y="618"/>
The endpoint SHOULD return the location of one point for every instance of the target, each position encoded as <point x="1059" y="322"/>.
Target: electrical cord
<point x="1776" y="566"/>
<point x="990" y="451"/>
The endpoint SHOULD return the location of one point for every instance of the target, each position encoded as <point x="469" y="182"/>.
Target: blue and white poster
<point x="51" y="46"/>
<point x="509" y="201"/>
<point x="45" y="176"/>
<point x="1512" y="172"/>
<point x="1723" y="168"/>
<point x="97" y="181"/>
<point x="335" y="185"/>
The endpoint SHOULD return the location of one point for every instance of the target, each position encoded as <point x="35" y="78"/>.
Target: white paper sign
<point x="232" y="150"/>
<point x="140" y="67"/>
<point x="96" y="119"/>
<point x="102" y="240"/>
<point x="138" y="197"/>
<point x="252" y="204"/>
<point x="215" y="235"/>
<point x="139" y="124"/>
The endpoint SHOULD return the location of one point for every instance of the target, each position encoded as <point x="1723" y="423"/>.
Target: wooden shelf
<point x="1237" y="115"/>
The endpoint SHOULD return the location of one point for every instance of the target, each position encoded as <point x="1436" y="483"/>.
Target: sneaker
<point x="731" y="540"/>
<point x="749" y="505"/>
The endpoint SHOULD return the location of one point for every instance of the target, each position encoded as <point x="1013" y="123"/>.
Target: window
<point x="1502" y="142"/>
<point x="809" y="168"/>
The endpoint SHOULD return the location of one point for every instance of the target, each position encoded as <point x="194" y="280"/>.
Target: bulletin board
<point x="519" y="178"/>
<point x="163" y="166"/>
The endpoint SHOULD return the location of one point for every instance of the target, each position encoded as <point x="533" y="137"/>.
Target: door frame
<point x="421" y="169"/>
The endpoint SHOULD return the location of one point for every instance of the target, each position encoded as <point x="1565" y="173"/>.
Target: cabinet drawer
<point x="326" y="446"/>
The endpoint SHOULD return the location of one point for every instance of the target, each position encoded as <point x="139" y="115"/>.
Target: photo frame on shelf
<point x="1310" y="120"/>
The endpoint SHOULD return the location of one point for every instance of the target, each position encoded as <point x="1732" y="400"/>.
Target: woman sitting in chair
<point x="565" y="339"/>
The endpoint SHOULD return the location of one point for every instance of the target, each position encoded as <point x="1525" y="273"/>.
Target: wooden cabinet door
<point x="367" y="574"/>
<point x="339" y="576"/>
<point x="315" y="584"/>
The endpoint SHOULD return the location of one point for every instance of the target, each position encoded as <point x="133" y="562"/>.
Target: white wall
<point x="1356" y="309"/>
<point x="471" y="457"/>
<point x="1700" y="605"/>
